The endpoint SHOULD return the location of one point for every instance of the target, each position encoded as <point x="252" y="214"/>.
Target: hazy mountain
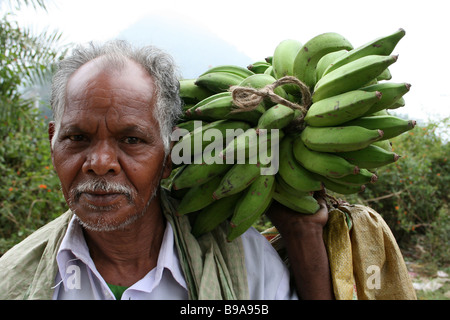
<point x="194" y="49"/>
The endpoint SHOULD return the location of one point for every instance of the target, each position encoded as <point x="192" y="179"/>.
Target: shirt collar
<point x="74" y="247"/>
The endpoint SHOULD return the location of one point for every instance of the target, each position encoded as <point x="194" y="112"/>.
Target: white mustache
<point x="103" y="185"/>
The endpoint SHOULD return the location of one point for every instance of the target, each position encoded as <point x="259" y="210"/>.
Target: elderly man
<point x="114" y="110"/>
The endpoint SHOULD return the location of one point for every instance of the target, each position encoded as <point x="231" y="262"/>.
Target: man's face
<point x="108" y="153"/>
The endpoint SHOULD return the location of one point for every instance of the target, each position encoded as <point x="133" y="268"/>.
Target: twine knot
<point x="247" y="98"/>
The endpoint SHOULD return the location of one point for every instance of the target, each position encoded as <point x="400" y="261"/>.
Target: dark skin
<point x="302" y="235"/>
<point x="108" y="131"/>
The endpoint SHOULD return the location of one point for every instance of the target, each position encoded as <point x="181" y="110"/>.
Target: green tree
<point x="30" y="193"/>
<point x="412" y="194"/>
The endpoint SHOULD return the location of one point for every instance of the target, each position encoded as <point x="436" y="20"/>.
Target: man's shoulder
<point x="268" y="276"/>
<point x="256" y="244"/>
<point x="21" y="262"/>
<point x="254" y="237"/>
<point x="37" y="241"/>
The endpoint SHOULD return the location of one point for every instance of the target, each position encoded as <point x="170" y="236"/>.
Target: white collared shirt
<point x="78" y="278"/>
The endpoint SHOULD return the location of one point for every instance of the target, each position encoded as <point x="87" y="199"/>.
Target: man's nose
<point x="102" y="159"/>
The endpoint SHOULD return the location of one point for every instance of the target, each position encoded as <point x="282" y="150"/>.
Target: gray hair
<point x="157" y="63"/>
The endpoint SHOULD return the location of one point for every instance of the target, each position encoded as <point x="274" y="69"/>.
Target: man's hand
<point x="302" y="235"/>
<point x="284" y="219"/>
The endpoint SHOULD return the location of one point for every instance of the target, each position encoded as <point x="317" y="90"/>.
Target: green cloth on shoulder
<point x="214" y="268"/>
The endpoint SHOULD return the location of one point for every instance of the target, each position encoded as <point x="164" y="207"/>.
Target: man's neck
<point x="125" y="256"/>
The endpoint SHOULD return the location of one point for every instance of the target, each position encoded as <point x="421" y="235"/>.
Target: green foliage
<point x="412" y="194"/>
<point x="29" y="195"/>
<point x="25" y="59"/>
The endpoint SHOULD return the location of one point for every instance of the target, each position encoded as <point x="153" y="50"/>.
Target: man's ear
<point x="168" y="167"/>
<point x="51" y="131"/>
<point x="51" y="135"/>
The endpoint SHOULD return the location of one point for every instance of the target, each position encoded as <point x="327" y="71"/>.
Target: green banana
<point x="192" y="93"/>
<point x="223" y="107"/>
<point x="363" y="177"/>
<point x="292" y="172"/>
<point x="339" y="139"/>
<point x="283" y="60"/>
<point x="351" y="76"/>
<point x="237" y="230"/>
<point x="190" y="125"/>
<point x="341" y="188"/>
<point x="326" y="164"/>
<point x="198" y="173"/>
<point x="305" y="63"/>
<point x="253" y="197"/>
<point x="382" y="112"/>
<point x="326" y="61"/>
<point x="167" y="183"/>
<point x="214" y="214"/>
<point x="391" y="93"/>
<point x="229" y="68"/>
<point x="194" y="143"/>
<point x="341" y="108"/>
<point x="381" y="46"/>
<point x="249" y="144"/>
<point x="255" y="201"/>
<point x="306" y="204"/>
<point x="198" y="196"/>
<point x="397" y="104"/>
<point x="259" y="67"/>
<point x="218" y="81"/>
<point x="191" y="111"/>
<point x="287" y="188"/>
<point x="179" y="194"/>
<point x="371" y="157"/>
<point x="385" y="75"/>
<point x="187" y="106"/>
<point x="270" y="71"/>
<point x="238" y="178"/>
<point x="276" y="117"/>
<point x="392" y="126"/>
<point x="385" y="144"/>
<point x="240" y="145"/>
<point x="257" y="81"/>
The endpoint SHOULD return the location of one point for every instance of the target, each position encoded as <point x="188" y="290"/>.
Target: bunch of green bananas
<point x="340" y="142"/>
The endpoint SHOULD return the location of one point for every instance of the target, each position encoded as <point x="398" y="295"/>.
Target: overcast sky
<point x="256" y="27"/>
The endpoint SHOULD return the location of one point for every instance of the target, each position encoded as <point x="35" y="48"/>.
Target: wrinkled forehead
<point x="99" y="89"/>
<point x="115" y="73"/>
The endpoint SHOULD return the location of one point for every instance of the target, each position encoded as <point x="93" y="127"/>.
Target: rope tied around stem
<point x="247" y="98"/>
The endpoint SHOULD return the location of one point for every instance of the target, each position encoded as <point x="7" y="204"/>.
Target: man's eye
<point x="76" y="137"/>
<point x="131" y="140"/>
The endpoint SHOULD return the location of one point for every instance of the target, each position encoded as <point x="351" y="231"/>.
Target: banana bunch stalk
<point x="231" y="162"/>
